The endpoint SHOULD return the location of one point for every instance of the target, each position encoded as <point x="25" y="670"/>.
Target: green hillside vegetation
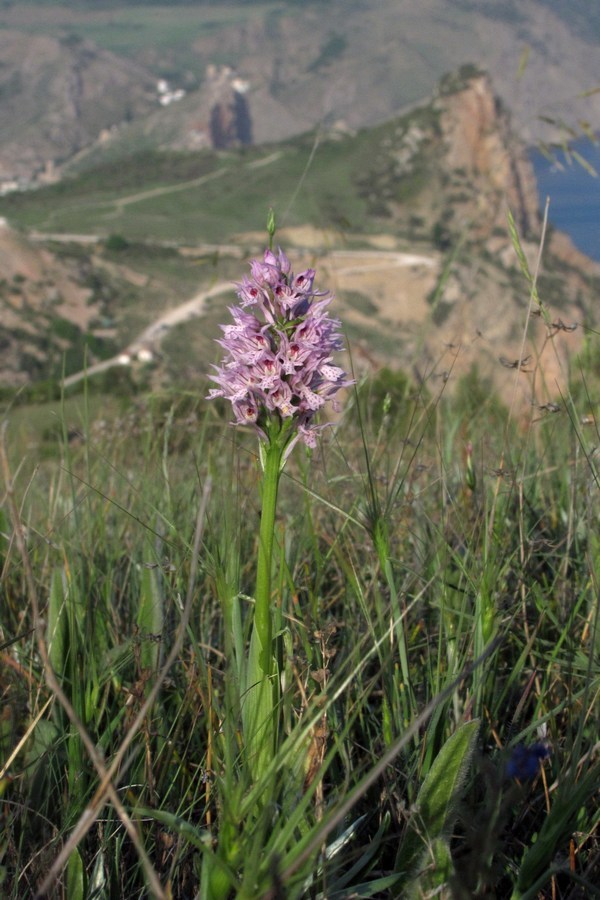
<point x="145" y="206"/>
<point x="352" y="183"/>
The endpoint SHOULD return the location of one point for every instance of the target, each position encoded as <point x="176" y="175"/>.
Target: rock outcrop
<point x="479" y="141"/>
<point x="230" y="119"/>
<point x="482" y="310"/>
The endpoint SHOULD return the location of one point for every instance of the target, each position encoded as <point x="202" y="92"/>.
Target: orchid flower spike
<point x="279" y="351"/>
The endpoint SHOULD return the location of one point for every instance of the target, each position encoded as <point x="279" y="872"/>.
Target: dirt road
<point x="148" y="340"/>
<point x="344" y="265"/>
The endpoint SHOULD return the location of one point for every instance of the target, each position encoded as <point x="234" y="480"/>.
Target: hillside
<point x="407" y="222"/>
<point x="83" y="82"/>
<point x="59" y="95"/>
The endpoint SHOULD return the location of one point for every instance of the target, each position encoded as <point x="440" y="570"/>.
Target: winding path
<point x="151" y="336"/>
<point x="346" y="262"/>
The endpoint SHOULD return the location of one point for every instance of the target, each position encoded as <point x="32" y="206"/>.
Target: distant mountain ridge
<point x="81" y="79"/>
<point x="57" y="96"/>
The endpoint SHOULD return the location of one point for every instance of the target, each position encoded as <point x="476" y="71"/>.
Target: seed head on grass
<point x="279" y="357"/>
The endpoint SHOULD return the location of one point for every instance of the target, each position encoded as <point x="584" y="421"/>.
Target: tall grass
<point x="437" y="602"/>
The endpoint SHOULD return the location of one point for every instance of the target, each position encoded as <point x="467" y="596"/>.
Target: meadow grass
<point x="403" y="557"/>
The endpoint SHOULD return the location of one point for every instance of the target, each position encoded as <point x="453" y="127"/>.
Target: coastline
<point x="574" y="191"/>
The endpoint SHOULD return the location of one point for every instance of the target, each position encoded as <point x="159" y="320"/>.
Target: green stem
<point x="263" y="619"/>
<point x="261" y="698"/>
<point x="380" y="537"/>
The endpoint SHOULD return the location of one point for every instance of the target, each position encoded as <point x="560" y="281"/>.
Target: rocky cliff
<point x="481" y="311"/>
<point x="481" y="142"/>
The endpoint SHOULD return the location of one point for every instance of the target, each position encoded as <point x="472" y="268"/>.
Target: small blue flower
<point x="524" y="762"/>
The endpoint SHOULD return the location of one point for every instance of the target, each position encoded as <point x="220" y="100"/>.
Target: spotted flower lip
<point x="279" y="349"/>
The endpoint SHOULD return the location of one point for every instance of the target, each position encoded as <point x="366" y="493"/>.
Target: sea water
<point x="574" y="193"/>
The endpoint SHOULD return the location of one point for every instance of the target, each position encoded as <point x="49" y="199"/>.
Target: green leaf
<point x="368" y="888"/>
<point x="199" y="838"/>
<point x="98" y="887"/>
<point x="215" y="878"/>
<point x="150" y="619"/>
<point x="41" y="742"/>
<point x="114" y="662"/>
<point x="57" y="628"/>
<point x="438" y="796"/>
<point x="439" y="792"/>
<point x="75" y="876"/>
<point x="434" y="872"/>
<point x="258" y="712"/>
